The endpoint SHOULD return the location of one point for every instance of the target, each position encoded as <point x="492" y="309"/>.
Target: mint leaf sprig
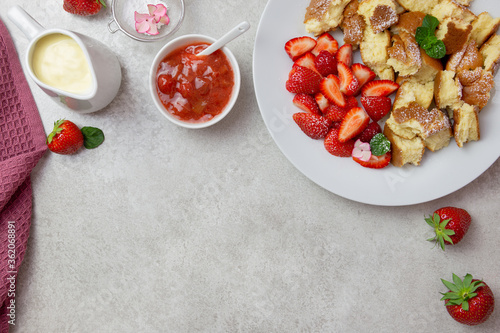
<point x="427" y="39"/>
<point x="379" y="145"/>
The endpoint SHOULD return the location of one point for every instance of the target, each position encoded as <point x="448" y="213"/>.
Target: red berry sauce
<point x="194" y="89"/>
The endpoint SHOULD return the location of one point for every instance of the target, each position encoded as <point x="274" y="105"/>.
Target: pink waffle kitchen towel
<point x="22" y="144"/>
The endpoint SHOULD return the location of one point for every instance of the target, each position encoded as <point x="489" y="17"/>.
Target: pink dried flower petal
<point x="160" y="11"/>
<point x="140" y="17"/>
<point x="153" y="28"/>
<point x="142" y="27"/>
<point x="164" y="20"/>
<point x="362" y="150"/>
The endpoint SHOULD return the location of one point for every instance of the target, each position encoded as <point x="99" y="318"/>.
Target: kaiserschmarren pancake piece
<point x="404" y="54"/>
<point x="477" y="85"/>
<point x="418" y="6"/>
<point x="408" y="22"/>
<point x="484" y="27"/>
<point x="454" y="33"/>
<point x="466" y="124"/>
<point x="411" y="90"/>
<point x="450" y="8"/>
<point x="404" y="151"/>
<point x="379" y="14"/>
<point x="466" y="59"/>
<point x="353" y="25"/>
<point x="447" y="90"/>
<point x="374" y="54"/>
<point x="491" y="54"/>
<point x="324" y="15"/>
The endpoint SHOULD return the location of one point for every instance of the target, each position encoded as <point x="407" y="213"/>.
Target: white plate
<point x="439" y="174"/>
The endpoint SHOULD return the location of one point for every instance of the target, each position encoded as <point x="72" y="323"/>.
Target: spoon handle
<point x="232" y="34"/>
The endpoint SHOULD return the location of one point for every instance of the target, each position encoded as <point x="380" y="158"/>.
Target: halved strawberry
<point x="379" y="88"/>
<point x="303" y="80"/>
<point x="308" y="61"/>
<point x="355" y="121"/>
<point x="322" y="101"/>
<point x="363" y="73"/>
<point x="326" y="63"/>
<point x="307" y="103"/>
<point x="335" y="113"/>
<point x="370" y="131"/>
<point x="344" y="54"/>
<point x="330" y="87"/>
<point x="376" y="106"/>
<point x="335" y="147"/>
<point x="349" y="85"/>
<point x="298" y="46"/>
<point x="326" y="42"/>
<point x="350" y="102"/>
<point x="313" y="125"/>
<point x="375" y="162"/>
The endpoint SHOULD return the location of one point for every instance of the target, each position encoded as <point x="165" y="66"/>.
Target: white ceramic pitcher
<point x="104" y="67"/>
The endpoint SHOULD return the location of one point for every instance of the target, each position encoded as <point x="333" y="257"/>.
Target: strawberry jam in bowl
<point x="194" y="91"/>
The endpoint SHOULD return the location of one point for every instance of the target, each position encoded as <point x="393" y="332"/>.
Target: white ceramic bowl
<point x="123" y="18"/>
<point x="184" y="41"/>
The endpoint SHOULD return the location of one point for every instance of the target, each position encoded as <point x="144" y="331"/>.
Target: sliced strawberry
<point x="335" y="113"/>
<point x="344" y="54"/>
<point x="335" y="147"/>
<point x="330" y="87"/>
<point x="379" y="88"/>
<point x="307" y="61"/>
<point x="322" y="101"/>
<point x="326" y="63"/>
<point x="303" y="80"/>
<point x="313" y="125"/>
<point x="307" y="103"/>
<point x="349" y="85"/>
<point x="355" y="121"/>
<point x="375" y="162"/>
<point x="325" y="42"/>
<point x="298" y="46"/>
<point x="370" y="131"/>
<point x="376" y="106"/>
<point x="363" y="73"/>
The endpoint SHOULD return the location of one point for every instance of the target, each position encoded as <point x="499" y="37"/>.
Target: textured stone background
<point x="163" y="229"/>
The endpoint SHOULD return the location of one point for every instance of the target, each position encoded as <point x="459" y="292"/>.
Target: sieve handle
<point x="110" y="28"/>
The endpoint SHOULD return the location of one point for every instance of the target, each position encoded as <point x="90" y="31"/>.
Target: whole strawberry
<point x="66" y="138"/>
<point x="313" y="125"/>
<point x="83" y="7"/>
<point x="470" y="301"/>
<point x="450" y="225"/>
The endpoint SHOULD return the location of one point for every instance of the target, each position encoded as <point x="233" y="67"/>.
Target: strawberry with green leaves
<point x="66" y="138"/>
<point x="83" y="7"/>
<point x="450" y="225"/>
<point x="468" y="301"/>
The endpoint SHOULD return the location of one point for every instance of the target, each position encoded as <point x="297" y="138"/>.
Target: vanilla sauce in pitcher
<point x="59" y="62"/>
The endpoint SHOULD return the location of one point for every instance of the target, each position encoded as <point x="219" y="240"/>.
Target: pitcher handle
<point x="27" y="24"/>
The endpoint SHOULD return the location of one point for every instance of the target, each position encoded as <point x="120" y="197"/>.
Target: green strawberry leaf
<point x="92" y="137"/>
<point x="380" y="145"/>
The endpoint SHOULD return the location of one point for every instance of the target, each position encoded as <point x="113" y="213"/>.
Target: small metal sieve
<point x="123" y="18"/>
